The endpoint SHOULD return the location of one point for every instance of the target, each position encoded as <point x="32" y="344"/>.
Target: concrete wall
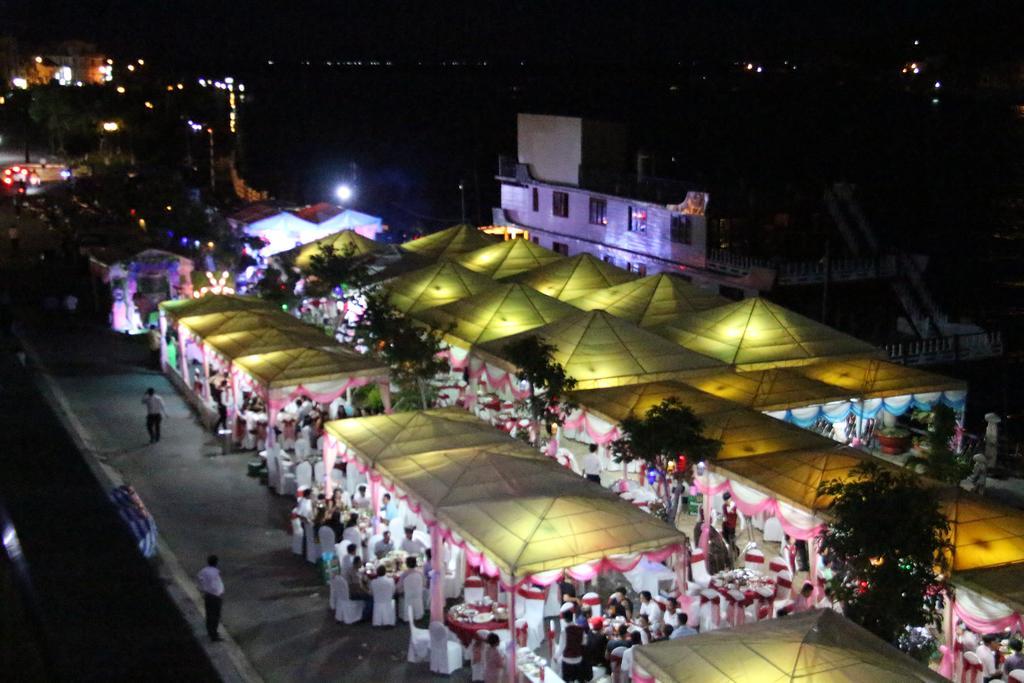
<point x="552" y="146"/>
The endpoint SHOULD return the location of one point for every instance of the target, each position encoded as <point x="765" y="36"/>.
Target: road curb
<point x="227" y="657"/>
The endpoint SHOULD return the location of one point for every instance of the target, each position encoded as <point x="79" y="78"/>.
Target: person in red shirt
<point x="730" y="518"/>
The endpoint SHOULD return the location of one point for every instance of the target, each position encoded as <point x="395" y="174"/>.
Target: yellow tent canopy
<point x="509" y="257"/>
<point x="211" y="303"/>
<point x="341" y="241"/>
<point x="435" y="285"/>
<point x="452" y="241"/>
<point x="744" y="433"/>
<point x="774" y="389"/>
<point x="984" y="533"/>
<point x="523" y="510"/>
<point x="266" y="340"/>
<point x="380" y="437"/>
<point x="239" y="321"/>
<point x="817" y="646"/>
<point x="530" y="534"/>
<point x="495" y="313"/>
<point x="755" y="334"/>
<point x="794" y="477"/>
<point x="574" y="277"/>
<point x="651" y="300"/>
<point x="290" y="367"/>
<point x="873" y="378"/>
<point x="599" y="350"/>
<point x="464" y="475"/>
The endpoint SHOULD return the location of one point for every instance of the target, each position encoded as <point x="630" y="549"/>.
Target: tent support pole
<point x="512" y="645"/>
<point x="206" y="373"/>
<point x="437" y="564"/>
<point x="385" y="395"/>
<point x="374" y="501"/>
<point x="705" y="532"/>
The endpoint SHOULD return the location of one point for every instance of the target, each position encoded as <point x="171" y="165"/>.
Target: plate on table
<point x="482" y="618"/>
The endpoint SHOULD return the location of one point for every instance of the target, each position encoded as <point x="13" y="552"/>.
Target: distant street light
<point x="110" y="127"/>
<point x="462" y="196"/>
<point x="343" y="192"/>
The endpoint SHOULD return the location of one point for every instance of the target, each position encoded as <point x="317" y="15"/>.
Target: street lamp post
<point x="462" y="197"/>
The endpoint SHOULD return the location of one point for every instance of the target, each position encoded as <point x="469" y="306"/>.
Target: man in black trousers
<point x="212" y="588"/>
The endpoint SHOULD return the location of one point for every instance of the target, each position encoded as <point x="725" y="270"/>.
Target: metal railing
<point x="839" y="270"/>
<point x="947" y="349"/>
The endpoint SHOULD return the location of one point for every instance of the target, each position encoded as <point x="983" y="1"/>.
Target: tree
<point x="547" y="382"/>
<point x="888" y="545"/>
<point x="413" y="352"/>
<point x="667" y="431"/>
<point x="939" y="461"/>
<point x="331" y="271"/>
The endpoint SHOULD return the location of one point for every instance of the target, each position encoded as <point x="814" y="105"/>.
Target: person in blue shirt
<point x="682" y="630"/>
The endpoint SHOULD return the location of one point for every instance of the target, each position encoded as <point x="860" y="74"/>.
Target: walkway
<point x="203" y="502"/>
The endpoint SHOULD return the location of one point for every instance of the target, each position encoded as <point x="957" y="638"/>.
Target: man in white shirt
<point x="411" y="545"/>
<point x="351" y="534"/>
<point x="987" y="654"/>
<point x="350" y="554"/>
<point x="155" y="411"/>
<point x="650" y="609"/>
<point x="627" y="656"/>
<point x="212" y="588"/>
<point x="382" y="588"/>
<point x="361" y="501"/>
<point x="304" y="508"/>
<point x="592" y="465"/>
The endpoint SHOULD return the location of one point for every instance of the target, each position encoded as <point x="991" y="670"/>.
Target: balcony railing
<point x="947" y="349"/>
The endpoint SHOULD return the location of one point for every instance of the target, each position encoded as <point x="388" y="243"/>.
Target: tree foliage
<point x="412" y="351"/>
<point x="939" y="461"/>
<point x="888" y="547"/>
<point x="665" y="432"/>
<point x="547" y="380"/>
<point x="330" y="268"/>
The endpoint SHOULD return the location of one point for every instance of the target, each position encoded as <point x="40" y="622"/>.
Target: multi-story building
<point x="567" y="188"/>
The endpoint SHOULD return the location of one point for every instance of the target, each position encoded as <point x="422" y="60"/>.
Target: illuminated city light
<point x="120" y="89"/>
<point x="111" y="126"/>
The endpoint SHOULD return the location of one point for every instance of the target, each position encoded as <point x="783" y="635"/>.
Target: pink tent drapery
<point x="750" y="503"/>
<point x="279" y="402"/>
<point x="477" y="559"/>
<point x="581" y="420"/>
<point x="496" y="380"/>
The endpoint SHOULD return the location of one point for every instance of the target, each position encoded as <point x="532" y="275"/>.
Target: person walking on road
<point x="15" y="237"/>
<point x="212" y="588"/>
<point x="155" y="411"/>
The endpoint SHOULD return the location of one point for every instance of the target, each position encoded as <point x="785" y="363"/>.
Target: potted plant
<point x="894" y="440"/>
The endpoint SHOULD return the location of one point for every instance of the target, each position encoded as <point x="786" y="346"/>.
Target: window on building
<point x="560" y="248"/>
<point x="535" y="239"/>
<point x="638" y="268"/>
<point x="560" y="204"/>
<point x="608" y="258"/>
<point x="598" y="211"/>
<point x="536" y="200"/>
<point x="682" y="230"/>
<point x="637" y="219"/>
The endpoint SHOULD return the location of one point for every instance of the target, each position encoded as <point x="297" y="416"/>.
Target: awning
<point x="436" y="285"/>
<point x="507" y="258"/>
<point x="774" y="389"/>
<point x="211" y="303"/>
<point x="295" y="366"/>
<point x="818" y="646"/>
<point x="600" y="350"/>
<point x="571" y="278"/>
<point x="651" y="300"/>
<point x="266" y="340"/>
<point x="449" y="242"/>
<point x="239" y="321"/>
<point x="495" y="313"/>
<point x="756" y="334"/>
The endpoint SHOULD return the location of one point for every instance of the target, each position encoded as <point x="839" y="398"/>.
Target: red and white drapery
<point x="980" y="614"/>
<point x="477" y="559"/>
<point x="797" y="523"/>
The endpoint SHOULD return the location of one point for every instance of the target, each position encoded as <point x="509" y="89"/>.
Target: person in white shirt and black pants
<point x="155" y="411"/>
<point x="592" y="465"/>
<point x="212" y="588"/>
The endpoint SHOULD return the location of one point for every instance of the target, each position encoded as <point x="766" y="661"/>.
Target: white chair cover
<point x="273" y="467"/>
<point x="474" y="589"/>
<point x="318" y="473"/>
<point x="296" y="536"/>
<point x="773" y="530"/>
<point x="455" y="574"/>
<point x="304" y="475"/>
<point x="326" y="539"/>
<point x="533" y="613"/>
<point x="302" y="449"/>
<point x="419" y="641"/>
<point x="345" y="610"/>
<point x="445" y="655"/>
<point x="553" y="604"/>
<point x="383" y="590"/>
<point x="286" y="485"/>
<point x="1017" y="675"/>
<point x="412" y="594"/>
<point x="312" y="547"/>
<point x="699" y="568"/>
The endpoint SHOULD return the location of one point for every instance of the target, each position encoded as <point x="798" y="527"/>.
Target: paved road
<point x="275" y="606"/>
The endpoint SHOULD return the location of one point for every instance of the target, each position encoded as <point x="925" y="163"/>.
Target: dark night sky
<point x="214" y="32"/>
